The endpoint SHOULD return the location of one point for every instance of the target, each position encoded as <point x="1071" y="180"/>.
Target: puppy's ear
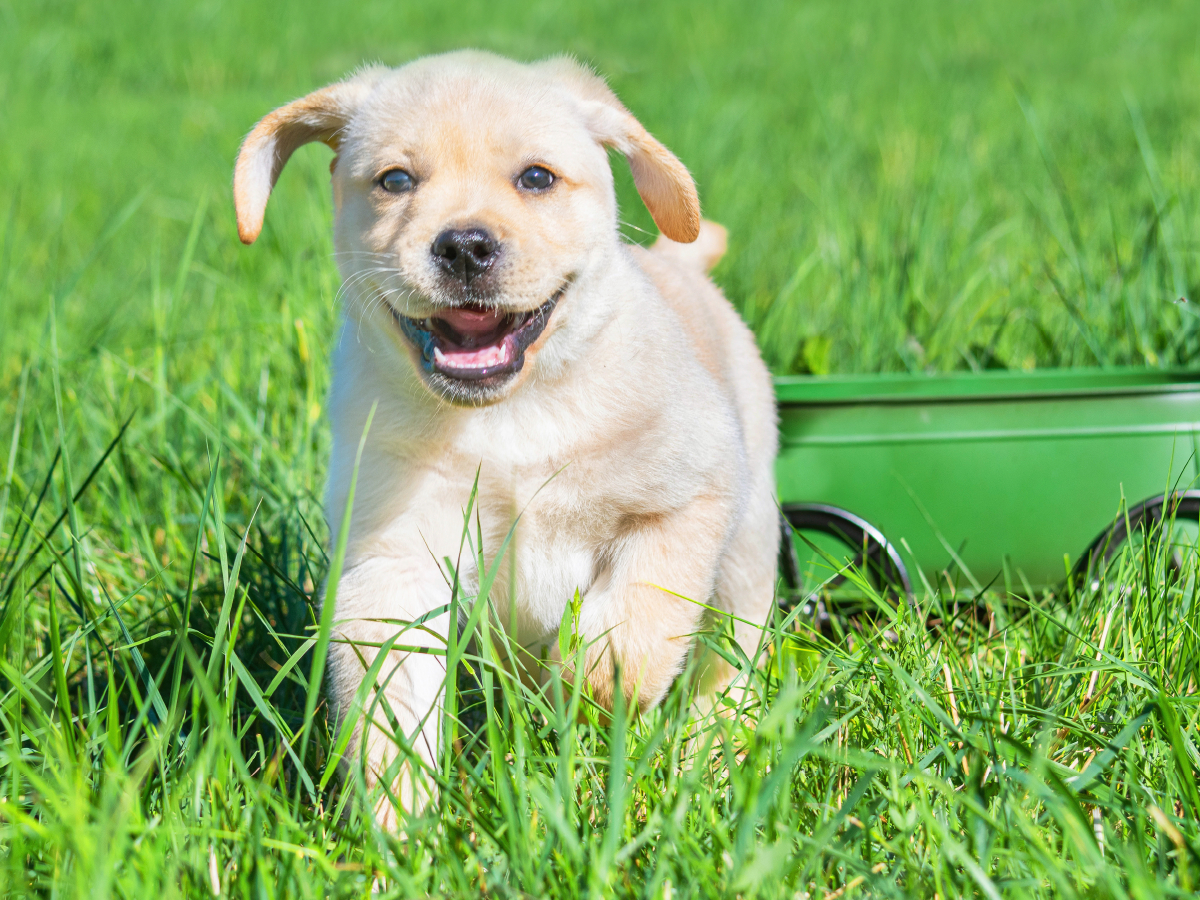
<point x="320" y="116"/>
<point x="664" y="183"/>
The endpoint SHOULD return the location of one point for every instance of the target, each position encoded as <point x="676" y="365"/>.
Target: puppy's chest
<point x="559" y="540"/>
<point x="570" y="498"/>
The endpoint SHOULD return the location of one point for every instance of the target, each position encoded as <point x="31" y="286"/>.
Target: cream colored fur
<point x="637" y="442"/>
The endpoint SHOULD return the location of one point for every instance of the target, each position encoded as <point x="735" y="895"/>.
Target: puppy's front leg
<point x="631" y="615"/>
<point x="404" y="704"/>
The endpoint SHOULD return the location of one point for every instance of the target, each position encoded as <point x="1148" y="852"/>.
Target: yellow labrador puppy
<point x="607" y="393"/>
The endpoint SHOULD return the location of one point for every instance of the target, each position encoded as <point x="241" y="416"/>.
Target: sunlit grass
<point x="930" y="187"/>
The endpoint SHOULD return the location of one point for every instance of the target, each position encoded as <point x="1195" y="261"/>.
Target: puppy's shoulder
<point x="678" y="273"/>
<point x="718" y="338"/>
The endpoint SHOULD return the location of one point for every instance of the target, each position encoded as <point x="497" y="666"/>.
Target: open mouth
<point x="472" y="342"/>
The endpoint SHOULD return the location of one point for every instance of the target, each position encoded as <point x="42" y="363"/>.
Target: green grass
<point x="927" y="186"/>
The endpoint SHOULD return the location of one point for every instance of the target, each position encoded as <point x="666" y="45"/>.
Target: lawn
<point x="918" y="187"/>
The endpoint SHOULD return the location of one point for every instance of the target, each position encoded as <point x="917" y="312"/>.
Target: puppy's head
<point x="472" y="194"/>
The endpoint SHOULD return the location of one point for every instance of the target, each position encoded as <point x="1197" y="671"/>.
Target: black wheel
<point x="1174" y="509"/>
<point x="869" y="552"/>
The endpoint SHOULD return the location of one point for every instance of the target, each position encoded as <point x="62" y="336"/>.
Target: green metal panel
<point x="1027" y="467"/>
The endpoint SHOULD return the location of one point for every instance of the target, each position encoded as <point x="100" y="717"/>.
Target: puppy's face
<point x="471" y="194"/>
<point x="468" y="202"/>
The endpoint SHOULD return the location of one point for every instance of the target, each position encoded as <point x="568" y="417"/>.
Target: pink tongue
<point x="472" y="322"/>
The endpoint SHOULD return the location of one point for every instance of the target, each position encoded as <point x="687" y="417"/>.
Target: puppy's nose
<point x="465" y="253"/>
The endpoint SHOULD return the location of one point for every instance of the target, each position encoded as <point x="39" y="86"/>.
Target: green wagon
<point x="1006" y="478"/>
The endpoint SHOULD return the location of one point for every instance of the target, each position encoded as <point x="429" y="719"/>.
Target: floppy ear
<point x="664" y="183"/>
<point x="320" y="116"/>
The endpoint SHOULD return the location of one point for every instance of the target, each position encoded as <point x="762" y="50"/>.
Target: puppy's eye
<point x="397" y="181"/>
<point x="535" y="178"/>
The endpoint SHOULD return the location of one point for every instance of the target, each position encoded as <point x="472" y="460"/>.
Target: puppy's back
<point x="701" y="254"/>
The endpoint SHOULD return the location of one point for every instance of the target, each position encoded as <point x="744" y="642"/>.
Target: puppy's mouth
<point x="474" y="343"/>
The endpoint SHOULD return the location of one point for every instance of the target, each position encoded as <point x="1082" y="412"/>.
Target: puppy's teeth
<point x="429" y="323"/>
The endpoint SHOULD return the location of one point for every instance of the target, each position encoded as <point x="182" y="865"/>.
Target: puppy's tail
<point x="703" y="253"/>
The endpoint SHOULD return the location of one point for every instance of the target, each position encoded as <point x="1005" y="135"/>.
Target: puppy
<point x="606" y="393"/>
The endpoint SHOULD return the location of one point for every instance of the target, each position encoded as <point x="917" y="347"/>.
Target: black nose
<point x="465" y="253"/>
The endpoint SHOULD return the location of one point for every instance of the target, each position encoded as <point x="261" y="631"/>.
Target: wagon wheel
<point x="1180" y="506"/>
<point x="875" y="556"/>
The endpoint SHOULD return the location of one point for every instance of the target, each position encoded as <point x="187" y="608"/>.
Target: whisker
<point x="625" y="224"/>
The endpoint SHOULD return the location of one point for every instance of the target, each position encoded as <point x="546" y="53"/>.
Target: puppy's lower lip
<point x="470" y="344"/>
